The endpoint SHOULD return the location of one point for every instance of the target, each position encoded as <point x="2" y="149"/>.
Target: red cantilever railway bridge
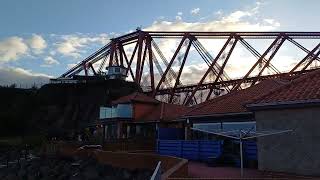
<point x="147" y="65"/>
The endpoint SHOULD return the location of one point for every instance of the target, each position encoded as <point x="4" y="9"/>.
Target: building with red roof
<point x="294" y="106"/>
<point x="139" y="115"/>
<point x="230" y="107"/>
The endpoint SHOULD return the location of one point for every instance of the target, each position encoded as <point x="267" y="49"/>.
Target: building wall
<point x="297" y="152"/>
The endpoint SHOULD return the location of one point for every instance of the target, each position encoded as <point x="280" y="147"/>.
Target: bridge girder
<point x="139" y="53"/>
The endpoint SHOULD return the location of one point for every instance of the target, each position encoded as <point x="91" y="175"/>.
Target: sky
<point x="41" y="39"/>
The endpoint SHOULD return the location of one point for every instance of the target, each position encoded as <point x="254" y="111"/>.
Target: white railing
<point x="157" y="172"/>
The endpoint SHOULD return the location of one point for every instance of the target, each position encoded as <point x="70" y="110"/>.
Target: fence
<point x="250" y="150"/>
<point x="191" y="150"/>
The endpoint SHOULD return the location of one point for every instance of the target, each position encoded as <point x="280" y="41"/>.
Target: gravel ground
<point x="68" y="169"/>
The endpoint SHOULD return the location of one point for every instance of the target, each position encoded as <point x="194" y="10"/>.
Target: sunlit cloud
<point x="12" y="49"/>
<point x="37" y="43"/>
<point x="49" y="62"/>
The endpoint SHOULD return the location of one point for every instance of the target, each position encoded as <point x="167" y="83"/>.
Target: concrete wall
<point x="297" y="152"/>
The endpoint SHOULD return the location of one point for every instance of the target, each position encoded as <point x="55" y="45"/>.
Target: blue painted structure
<point x="191" y="149"/>
<point x="250" y="150"/>
<point x="170" y="133"/>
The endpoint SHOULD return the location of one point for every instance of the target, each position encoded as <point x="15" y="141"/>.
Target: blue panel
<point x="250" y="150"/>
<point x="170" y="133"/>
<point x="192" y="150"/>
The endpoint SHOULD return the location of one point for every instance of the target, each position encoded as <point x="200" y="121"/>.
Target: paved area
<point x="200" y="170"/>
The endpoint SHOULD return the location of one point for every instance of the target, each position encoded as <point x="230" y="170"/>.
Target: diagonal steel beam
<point x="131" y="59"/>
<point x="237" y="86"/>
<point x="180" y="70"/>
<point x="208" y="70"/>
<point x="127" y="61"/>
<point x="112" y="52"/>
<point x="267" y="63"/>
<point x="223" y="66"/>
<point x="169" y="65"/>
<point x="310" y="54"/>
<point x="300" y="46"/>
<point x="257" y="54"/>
<point x="140" y="46"/>
<point x="311" y="60"/>
<point x="142" y="63"/>
<point x="148" y="43"/>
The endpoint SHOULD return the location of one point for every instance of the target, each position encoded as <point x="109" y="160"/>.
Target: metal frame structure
<point x="145" y="57"/>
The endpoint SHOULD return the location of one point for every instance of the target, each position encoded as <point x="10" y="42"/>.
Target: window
<point x="117" y="70"/>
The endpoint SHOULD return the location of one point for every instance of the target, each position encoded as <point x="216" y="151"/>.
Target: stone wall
<point x="296" y="152"/>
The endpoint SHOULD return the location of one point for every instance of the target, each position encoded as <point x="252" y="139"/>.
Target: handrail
<point x="157" y="172"/>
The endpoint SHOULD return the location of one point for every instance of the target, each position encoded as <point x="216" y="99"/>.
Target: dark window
<point x="117" y="70"/>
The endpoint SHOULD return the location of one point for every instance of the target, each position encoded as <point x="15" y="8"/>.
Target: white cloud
<point x="49" y="62"/>
<point x="178" y="18"/>
<point x="219" y="12"/>
<point x="195" y="11"/>
<point x="73" y="45"/>
<point x="239" y="20"/>
<point x="272" y="22"/>
<point x="12" y="48"/>
<point x="179" y="13"/>
<point x="37" y="43"/>
<point x="21" y="77"/>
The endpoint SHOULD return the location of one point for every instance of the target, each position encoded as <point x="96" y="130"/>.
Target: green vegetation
<point x="55" y="110"/>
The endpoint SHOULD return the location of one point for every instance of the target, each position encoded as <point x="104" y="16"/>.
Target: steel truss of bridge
<point x="147" y="65"/>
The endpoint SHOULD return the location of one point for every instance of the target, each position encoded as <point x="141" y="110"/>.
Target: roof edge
<point x="282" y="104"/>
<point x="219" y="114"/>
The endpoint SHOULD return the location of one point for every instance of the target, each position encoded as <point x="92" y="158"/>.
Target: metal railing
<point x="157" y="172"/>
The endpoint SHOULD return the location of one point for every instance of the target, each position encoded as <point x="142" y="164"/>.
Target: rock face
<point x="62" y="169"/>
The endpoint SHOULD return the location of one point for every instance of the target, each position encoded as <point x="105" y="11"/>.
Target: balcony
<point x="118" y="111"/>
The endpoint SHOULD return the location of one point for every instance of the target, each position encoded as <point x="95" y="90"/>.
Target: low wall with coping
<point x="171" y="167"/>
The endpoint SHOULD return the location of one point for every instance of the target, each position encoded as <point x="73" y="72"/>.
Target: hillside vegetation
<point x="56" y="108"/>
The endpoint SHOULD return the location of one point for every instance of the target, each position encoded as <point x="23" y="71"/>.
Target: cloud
<point x="236" y="21"/>
<point x="75" y="44"/>
<point x="272" y="22"/>
<point x="37" y="43"/>
<point x="219" y="12"/>
<point x="49" y="62"/>
<point x="22" y="77"/>
<point x="239" y="20"/>
<point x="12" y="48"/>
<point x="195" y="11"/>
<point x="179" y="13"/>
<point x="178" y="18"/>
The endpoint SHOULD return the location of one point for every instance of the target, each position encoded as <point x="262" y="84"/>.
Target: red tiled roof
<point x="169" y="112"/>
<point x="304" y="88"/>
<point x="135" y="97"/>
<point x="234" y="101"/>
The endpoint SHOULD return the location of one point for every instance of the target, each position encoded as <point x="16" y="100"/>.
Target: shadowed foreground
<point x="61" y="169"/>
